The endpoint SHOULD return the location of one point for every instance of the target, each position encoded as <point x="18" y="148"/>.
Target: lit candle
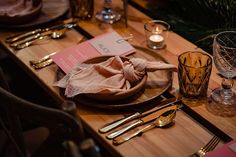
<point x="156" y="38"/>
<point x="156" y="41"/>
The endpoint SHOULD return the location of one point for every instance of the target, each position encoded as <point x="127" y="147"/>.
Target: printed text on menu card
<point x="107" y="44"/>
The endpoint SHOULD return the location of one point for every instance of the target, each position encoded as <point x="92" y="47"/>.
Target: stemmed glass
<point x="224" y="56"/>
<point x="107" y="14"/>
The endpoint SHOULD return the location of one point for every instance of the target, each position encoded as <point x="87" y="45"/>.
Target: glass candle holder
<point x="156" y="32"/>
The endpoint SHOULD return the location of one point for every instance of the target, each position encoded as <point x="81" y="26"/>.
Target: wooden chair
<point x="64" y="133"/>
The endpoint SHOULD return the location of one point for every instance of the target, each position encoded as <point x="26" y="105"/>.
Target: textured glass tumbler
<point x="194" y="70"/>
<point x="82" y="9"/>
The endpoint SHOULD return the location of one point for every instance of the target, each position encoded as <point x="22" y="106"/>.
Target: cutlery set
<point x="26" y="39"/>
<point x="159" y="116"/>
<point x="161" y="121"/>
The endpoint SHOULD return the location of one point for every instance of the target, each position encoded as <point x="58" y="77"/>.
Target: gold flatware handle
<point x="33" y="62"/>
<point x="18" y="37"/>
<point x="122" y="139"/>
<point x="28" y="39"/>
<point x="117" y="123"/>
<point x="28" y="43"/>
<point x="124" y="129"/>
<point x="43" y="64"/>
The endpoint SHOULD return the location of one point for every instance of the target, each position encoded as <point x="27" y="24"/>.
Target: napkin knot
<point x="134" y="70"/>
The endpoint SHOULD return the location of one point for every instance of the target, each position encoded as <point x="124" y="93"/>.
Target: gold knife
<point x="136" y="123"/>
<point x="119" y="122"/>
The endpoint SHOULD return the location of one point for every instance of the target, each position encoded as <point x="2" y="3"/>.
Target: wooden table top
<point x="182" y="139"/>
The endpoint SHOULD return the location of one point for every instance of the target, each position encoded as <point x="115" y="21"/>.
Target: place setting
<point x="154" y="82"/>
<point x="111" y="56"/>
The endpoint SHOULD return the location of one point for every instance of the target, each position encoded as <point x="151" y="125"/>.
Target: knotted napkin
<point x="108" y="77"/>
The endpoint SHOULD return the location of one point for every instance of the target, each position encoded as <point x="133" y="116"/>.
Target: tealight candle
<point x="156" y="41"/>
<point x="156" y="38"/>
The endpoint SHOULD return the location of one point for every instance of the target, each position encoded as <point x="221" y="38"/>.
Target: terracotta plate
<point x="156" y="84"/>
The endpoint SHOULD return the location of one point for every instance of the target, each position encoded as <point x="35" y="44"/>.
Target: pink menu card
<point x="107" y="44"/>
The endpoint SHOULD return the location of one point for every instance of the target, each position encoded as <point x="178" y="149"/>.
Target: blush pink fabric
<point x="108" y="77"/>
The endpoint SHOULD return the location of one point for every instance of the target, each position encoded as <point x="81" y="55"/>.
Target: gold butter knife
<point x="43" y="64"/>
<point x="33" y="62"/>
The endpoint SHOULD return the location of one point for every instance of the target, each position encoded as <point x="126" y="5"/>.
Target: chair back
<point x="62" y="126"/>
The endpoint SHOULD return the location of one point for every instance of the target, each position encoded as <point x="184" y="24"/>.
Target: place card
<point x="110" y="44"/>
<point x="106" y="44"/>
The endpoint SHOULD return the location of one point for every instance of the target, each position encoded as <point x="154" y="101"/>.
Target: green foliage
<point x="196" y="20"/>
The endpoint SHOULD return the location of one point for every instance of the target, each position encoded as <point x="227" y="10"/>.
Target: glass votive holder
<point x="194" y="70"/>
<point x="156" y="32"/>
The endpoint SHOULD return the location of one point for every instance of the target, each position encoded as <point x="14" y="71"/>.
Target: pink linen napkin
<point x="108" y="77"/>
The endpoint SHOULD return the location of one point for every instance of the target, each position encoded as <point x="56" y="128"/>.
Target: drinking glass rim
<point x="217" y="35"/>
<point x="205" y="54"/>
<point x="161" y="22"/>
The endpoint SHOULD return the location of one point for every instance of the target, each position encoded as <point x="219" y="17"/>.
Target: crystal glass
<point x="194" y="71"/>
<point x="224" y="56"/>
<point x="107" y="14"/>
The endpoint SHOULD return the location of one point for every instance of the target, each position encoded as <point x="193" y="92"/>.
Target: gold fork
<point x="207" y="148"/>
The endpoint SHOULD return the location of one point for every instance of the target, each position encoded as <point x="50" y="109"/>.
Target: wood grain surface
<point x="183" y="138"/>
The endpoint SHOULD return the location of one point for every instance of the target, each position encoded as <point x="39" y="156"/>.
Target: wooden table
<point x="182" y="139"/>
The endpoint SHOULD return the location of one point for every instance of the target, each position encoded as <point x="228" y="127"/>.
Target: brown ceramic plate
<point x="50" y="11"/>
<point x="157" y="83"/>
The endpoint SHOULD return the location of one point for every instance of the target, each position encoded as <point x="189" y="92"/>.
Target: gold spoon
<point x="161" y="121"/>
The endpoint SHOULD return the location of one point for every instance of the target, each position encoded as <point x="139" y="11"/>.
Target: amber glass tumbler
<point x="194" y="70"/>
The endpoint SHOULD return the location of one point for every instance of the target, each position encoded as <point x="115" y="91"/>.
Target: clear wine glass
<point x="224" y="56"/>
<point x="107" y="14"/>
